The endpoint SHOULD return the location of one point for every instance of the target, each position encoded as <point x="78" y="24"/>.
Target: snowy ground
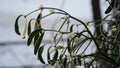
<point x="13" y="50"/>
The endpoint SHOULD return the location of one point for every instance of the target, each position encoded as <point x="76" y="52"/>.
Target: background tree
<point x="96" y="14"/>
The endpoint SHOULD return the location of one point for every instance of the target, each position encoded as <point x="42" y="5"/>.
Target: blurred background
<point x="13" y="50"/>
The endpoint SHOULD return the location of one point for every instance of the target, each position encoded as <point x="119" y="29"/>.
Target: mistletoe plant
<point x="67" y="49"/>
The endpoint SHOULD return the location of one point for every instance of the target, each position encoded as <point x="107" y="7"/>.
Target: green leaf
<point x="108" y="10"/>
<point x="48" y="55"/>
<point x="71" y="28"/>
<point x="39" y="17"/>
<point x="65" y="62"/>
<point x="38" y="42"/>
<point x="36" y="37"/>
<point x="29" y="27"/>
<point x="79" y="61"/>
<point x="40" y="54"/>
<point x="61" y="56"/>
<point x="16" y="25"/>
<point x="55" y="55"/>
<point x="118" y="36"/>
<point x="68" y="45"/>
<point x="75" y="61"/>
<point x="110" y="7"/>
<point x="31" y="36"/>
<point x="37" y="23"/>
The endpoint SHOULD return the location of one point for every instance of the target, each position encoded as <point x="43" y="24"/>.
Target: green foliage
<point x="71" y="53"/>
<point x="29" y="27"/>
<point x="111" y="6"/>
<point x="48" y="55"/>
<point x="32" y="35"/>
<point x="38" y="42"/>
<point x="16" y="25"/>
<point x="40" y="54"/>
<point x="55" y="56"/>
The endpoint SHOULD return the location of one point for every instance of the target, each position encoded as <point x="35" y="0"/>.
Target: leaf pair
<point x="37" y="23"/>
<point x="38" y="42"/>
<point x="37" y="47"/>
<point x="32" y="35"/>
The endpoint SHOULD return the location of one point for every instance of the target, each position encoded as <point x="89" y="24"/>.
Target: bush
<point x="69" y="44"/>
